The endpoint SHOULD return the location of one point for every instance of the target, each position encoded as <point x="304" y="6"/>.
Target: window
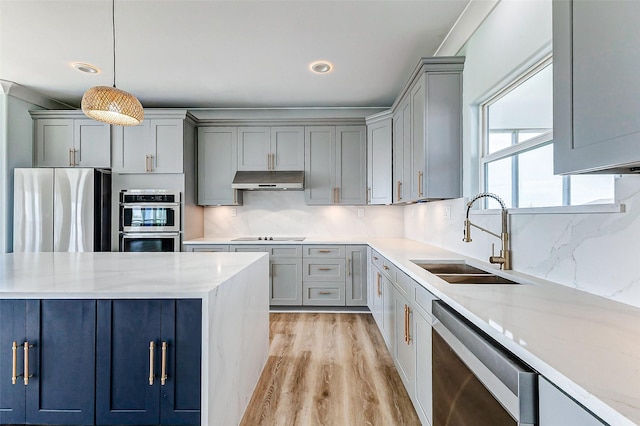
<point x="517" y="149"/>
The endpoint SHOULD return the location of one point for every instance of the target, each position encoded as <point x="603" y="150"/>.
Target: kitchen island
<point x="232" y="289"/>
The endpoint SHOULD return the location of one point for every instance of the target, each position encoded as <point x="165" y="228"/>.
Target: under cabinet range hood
<point x="269" y="181"/>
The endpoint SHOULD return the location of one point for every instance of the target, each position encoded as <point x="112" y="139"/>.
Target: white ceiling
<point x="214" y="53"/>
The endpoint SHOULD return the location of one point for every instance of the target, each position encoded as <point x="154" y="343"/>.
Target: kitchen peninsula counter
<point x="585" y="344"/>
<point x="233" y="288"/>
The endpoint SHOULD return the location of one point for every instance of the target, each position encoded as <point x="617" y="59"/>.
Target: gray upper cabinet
<point x="335" y="165"/>
<point x="596" y="126"/>
<point x="217" y="163"/>
<point x="379" y="176"/>
<point x="155" y="146"/>
<point x="271" y="148"/>
<point x="71" y="142"/>
<point x="402" y="152"/>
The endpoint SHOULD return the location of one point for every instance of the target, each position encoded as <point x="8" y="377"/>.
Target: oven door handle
<point x="149" y="234"/>
<point x="143" y="205"/>
<point x="512" y="384"/>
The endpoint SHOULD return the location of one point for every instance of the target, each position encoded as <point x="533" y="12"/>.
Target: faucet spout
<point x="504" y="260"/>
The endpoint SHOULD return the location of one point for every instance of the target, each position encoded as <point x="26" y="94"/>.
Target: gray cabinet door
<point x="217" y="163"/>
<point x="351" y="168"/>
<point x="92" y="143"/>
<point x="417" y="99"/>
<point x="379" y="162"/>
<point x="130" y="149"/>
<point x="375" y="288"/>
<point x="405" y="350"/>
<point x="287" y="148"/>
<point x="356" y="284"/>
<point x="286" y="281"/>
<point x="402" y="160"/>
<point x="388" y="313"/>
<point x="595" y="96"/>
<point x="213" y="248"/>
<point x="254" y="148"/>
<point x="558" y="409"/>
<point x="165" y="145"/>
<point x="423" y="378"/>
<point x="54" y="142"/>
<point x="319" y="164"/>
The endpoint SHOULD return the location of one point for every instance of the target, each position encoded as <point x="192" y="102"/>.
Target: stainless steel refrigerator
<point x="61" y="209"/>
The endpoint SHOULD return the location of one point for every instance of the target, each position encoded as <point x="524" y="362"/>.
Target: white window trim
<point x="581" y="209"/>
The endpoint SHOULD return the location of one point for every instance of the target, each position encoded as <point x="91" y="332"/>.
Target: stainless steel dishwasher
<point x="475" y="381"/>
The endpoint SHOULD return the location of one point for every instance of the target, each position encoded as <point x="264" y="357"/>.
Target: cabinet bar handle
<point x="337" y="195"/>
<point x="324" y="269"/>
<point x="324" y="292"/>
<point x="26" y="363"/>
<point x="268" y="162"/>
<point x="152" y="349"/>
<point x="399" y="190"/>
<point x="70" y="154"/>
<point x="163" y="377"/>
<point x="146" y="163"/>
<point x="385" y="267"/>
<point x="378" y="281"/>
<point x="405" y="323"/>
<point x="273" y="161"/>
<point x="420" y="174"/>
<point x="75" y="160"/>
<point x="349" y="267"/>
<point x="151" y="157"/>
<point x="368" y="195"/>
<point x="324" y="251"/>
<point x="14" y="356"/>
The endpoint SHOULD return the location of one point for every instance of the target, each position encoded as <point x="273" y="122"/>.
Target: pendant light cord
<point x="113" y="33"/>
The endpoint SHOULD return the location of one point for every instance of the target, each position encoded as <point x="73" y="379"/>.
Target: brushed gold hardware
<point x="399" y="191"/>
<point x="407" y="313"/>
<point x="235" y="191"/>
<point x="420" y="174"/>
<point x="504" y="260"/>
<point x="375" y="257"/>
<point x="324" y="251"/>
<point x="26" y="363"/>
<point x="324" y="292"/>
<point x="368" y="195"/>
<point x="146" y="163"/>
<point x="14" y="356"/>
<point x="324" y="269"/>
<point x="337" y="195"/>
<point x="151" y="157"/>
<point x="385" y="267"/>
<point x="152" y="349"/>
<point x="405" y="323"/>
<point x="75" y="160"/>
<point x="349" y="267"/>
<point x="273" y="161"/>
<point x="378" y="281"/>
<point x="163" y="372"/>
<point x="70" y="162"/>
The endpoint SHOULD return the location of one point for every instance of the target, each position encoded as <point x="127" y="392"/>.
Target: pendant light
<point x="110" y="104"/>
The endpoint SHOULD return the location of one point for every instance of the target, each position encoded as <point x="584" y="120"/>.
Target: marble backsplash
<point x="597" y="252"/>
<point x="282" y="213"/>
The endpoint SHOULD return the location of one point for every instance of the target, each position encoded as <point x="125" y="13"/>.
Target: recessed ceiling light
<point x="321" y="67"/>
<point x="88" y="68"/>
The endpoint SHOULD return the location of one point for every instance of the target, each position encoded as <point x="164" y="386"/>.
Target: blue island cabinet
<point x="58" y="362"/>
<point x="148" y="362"/>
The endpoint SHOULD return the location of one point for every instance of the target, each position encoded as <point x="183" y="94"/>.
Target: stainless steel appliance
<point x="475" y="382"/>
<point x="149" y="220"/>
<point x="269" y="180"/>
<point x="61" y="209"/>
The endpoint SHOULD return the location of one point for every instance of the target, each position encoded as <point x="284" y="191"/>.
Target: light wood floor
<point x="328" y="369"/>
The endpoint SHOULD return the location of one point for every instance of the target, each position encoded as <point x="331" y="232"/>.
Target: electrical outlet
<point x="446" y="214"/>
<point x="360" y="212"/>
<point x="234" y="212"/>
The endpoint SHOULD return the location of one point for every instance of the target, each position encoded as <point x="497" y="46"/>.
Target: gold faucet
<point x="504" y="260"/>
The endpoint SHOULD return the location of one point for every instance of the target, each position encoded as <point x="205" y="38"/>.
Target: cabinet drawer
<point x="376" y="259"/>
<point x="404" y="284"/>
<point x="323" y="294"/>
<point x="285" y="251"/>
<point x="325" y="252"/>
<point x="423" y="299"/>
<point x="207" y="248"/>
<point x="323" y="270"/>
<point x="243" y="248"/>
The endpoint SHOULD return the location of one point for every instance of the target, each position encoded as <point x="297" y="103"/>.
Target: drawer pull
<point x="26" y="363"/>
<point x="14" y="356"/>
<point x="349" y="267"/>
<point x="375" y="258"/>
<point x="385" y="267"/>
<point x="399" y="191"/>
<point x="152" y="348"/>
<point x="324" y="292"/>
<point x="324" y="251"/>
<point x="324" y="269"/>
<point x="378" y="281"/>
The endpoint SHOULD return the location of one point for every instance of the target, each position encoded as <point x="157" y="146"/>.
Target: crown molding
<point x="31" y="96"/>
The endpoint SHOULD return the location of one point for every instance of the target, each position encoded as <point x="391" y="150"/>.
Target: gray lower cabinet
<point x="356" y="280"/>
<point x="595" y="98"/>
<point x="323" y="281"/>
<point x="285" y="263"/>
<point x="405" y="351"/>
<point x="217" y="165"/>
<point x="335" y="165"/>
<point x="423" y="398"/>
<point x="375" y="298"/>
<point x="558" y="409"/>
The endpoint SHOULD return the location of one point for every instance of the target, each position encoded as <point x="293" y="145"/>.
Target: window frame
<point x="515" y="149"/>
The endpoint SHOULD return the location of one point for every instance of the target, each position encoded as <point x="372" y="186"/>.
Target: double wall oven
<point x="149" y="220"/>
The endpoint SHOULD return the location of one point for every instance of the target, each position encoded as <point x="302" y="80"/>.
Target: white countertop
<point x="587" y="345"/>
<point x="307" y="240"/>
<point x="117" y="275"/>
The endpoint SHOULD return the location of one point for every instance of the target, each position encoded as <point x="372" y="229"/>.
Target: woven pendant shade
<point x="113" y="106"/>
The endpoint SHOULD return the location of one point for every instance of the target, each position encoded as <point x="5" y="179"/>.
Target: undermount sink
<point x="461" y="273"/>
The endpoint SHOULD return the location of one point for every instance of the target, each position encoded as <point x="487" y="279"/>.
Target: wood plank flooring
<point x="328" y="369"/>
